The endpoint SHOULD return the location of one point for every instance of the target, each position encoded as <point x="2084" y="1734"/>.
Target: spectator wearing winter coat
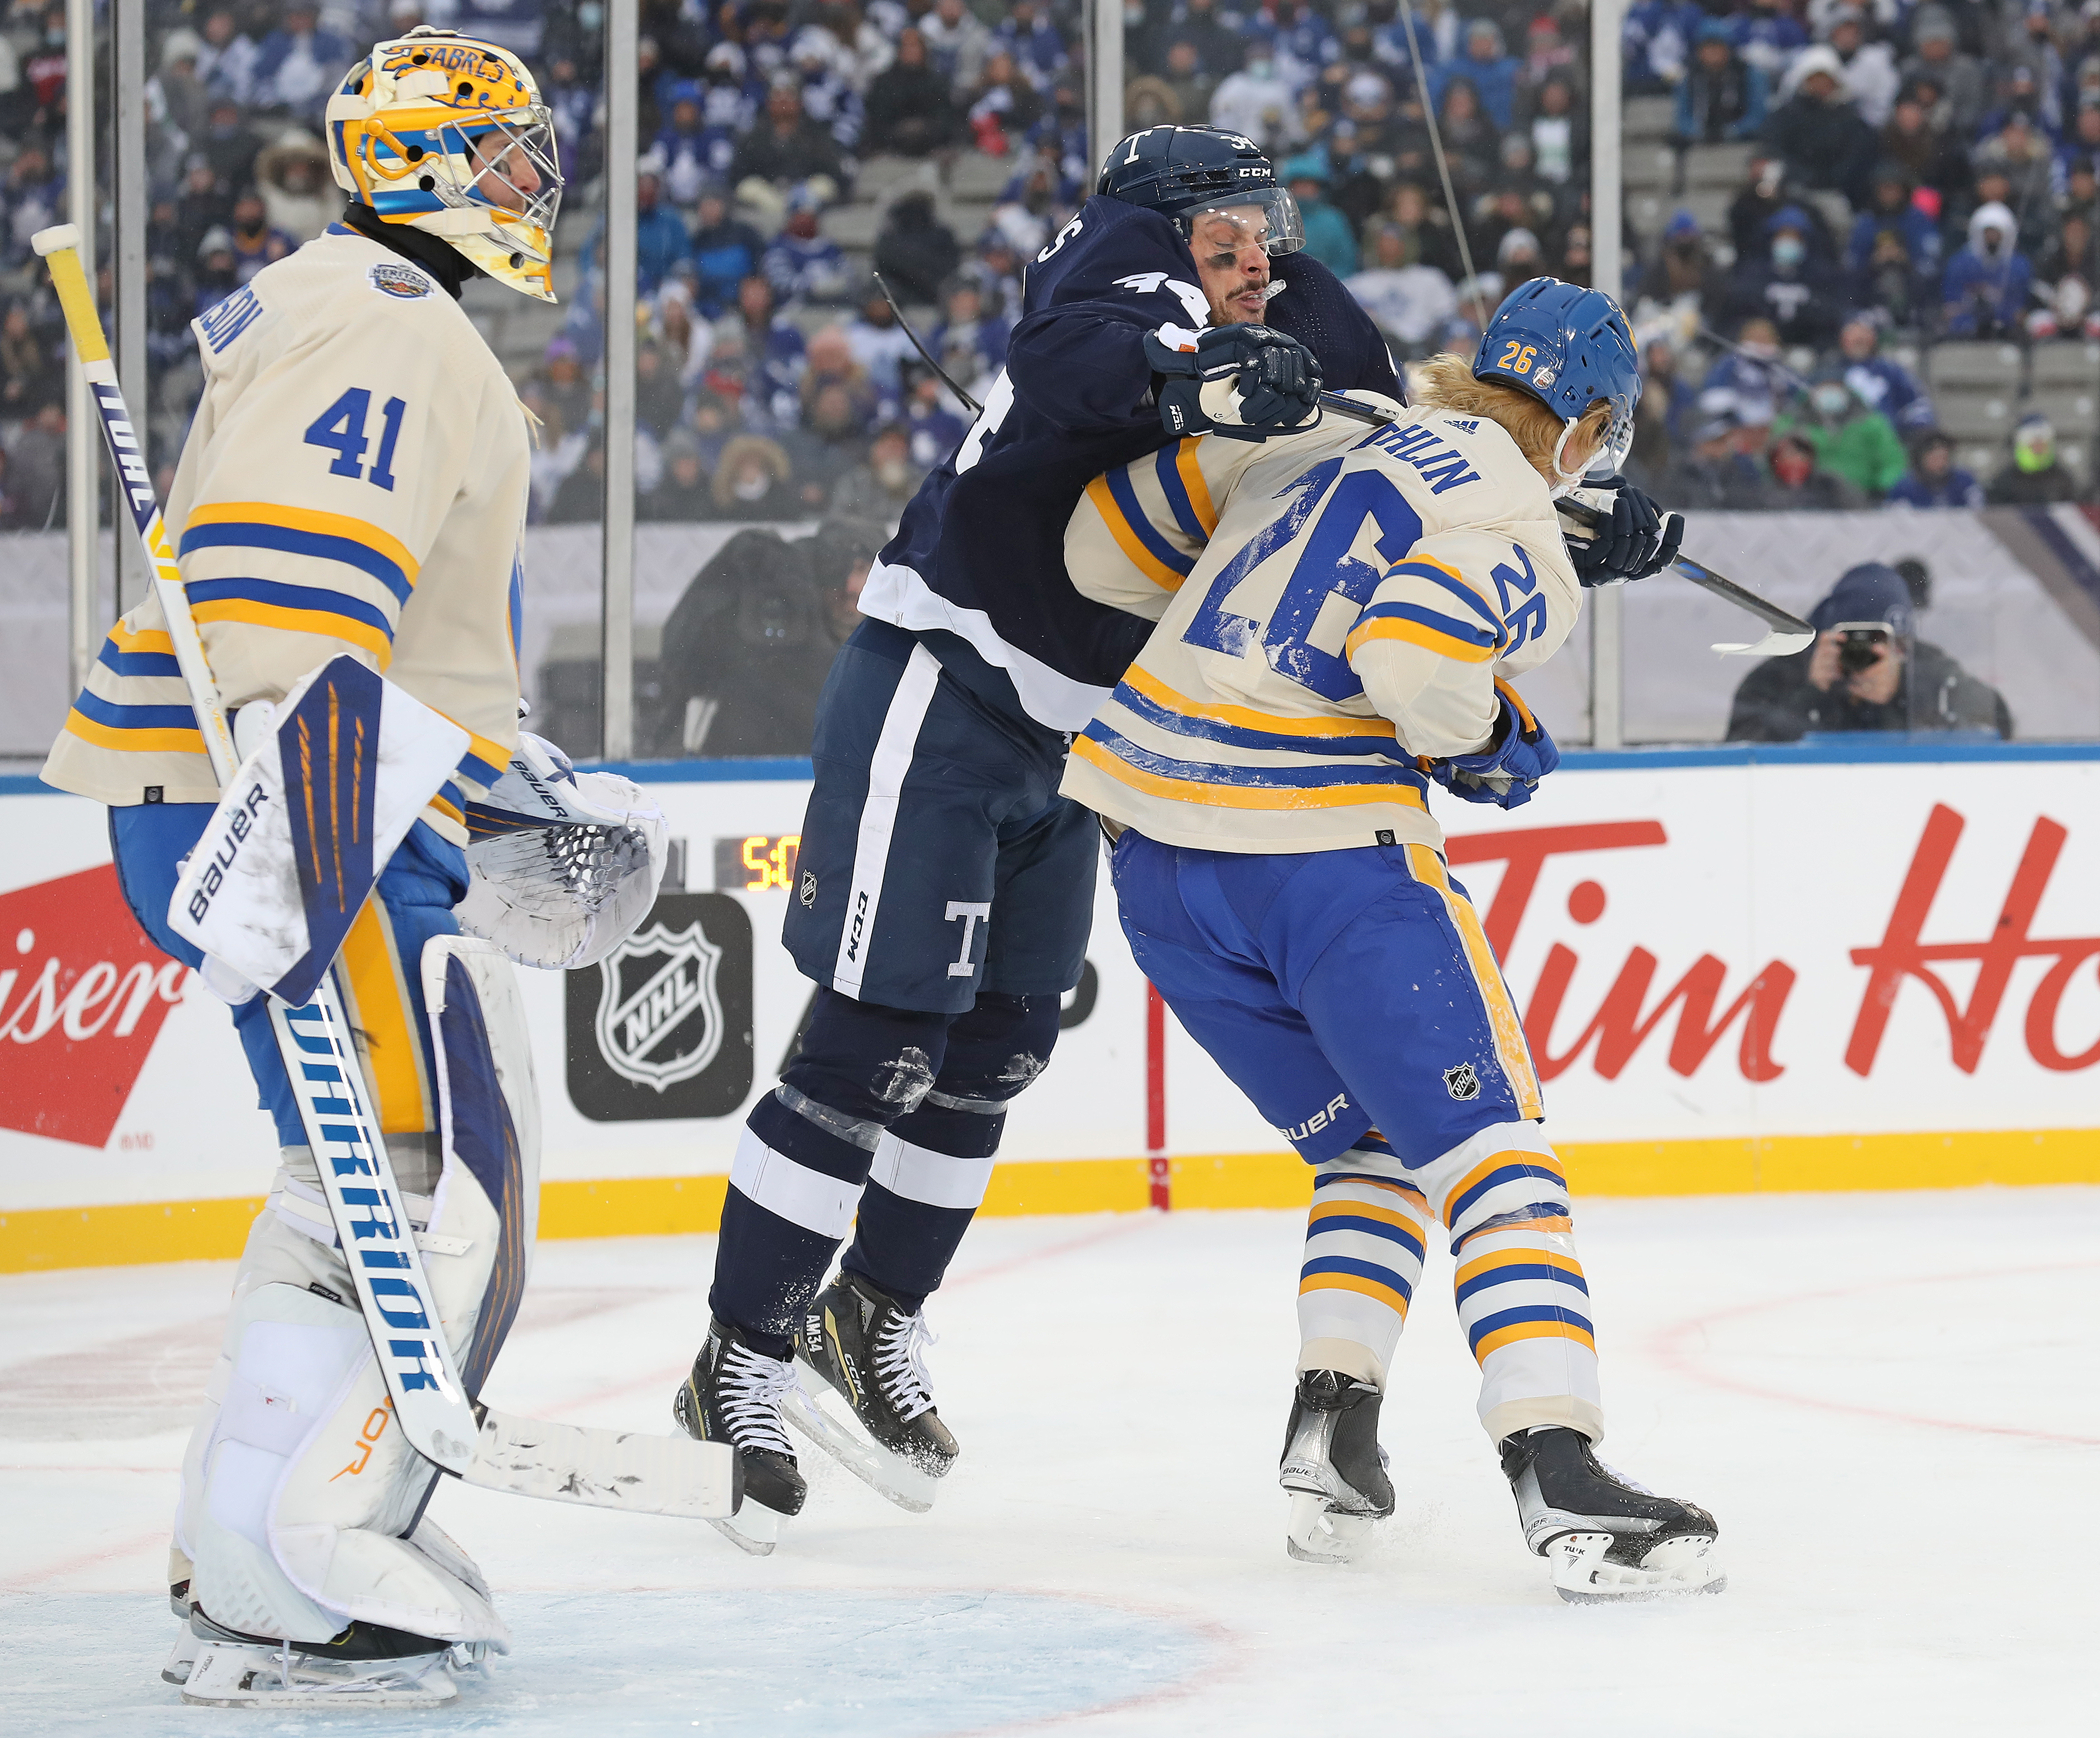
<point x="1409" y="302"/>
<point x="1870" y="76"/>
<point x="1560" y="128"/>
<point x="915" y="252"/>
<point x="1819" y="133"/>
<point x="970" y="342"/>
<point x="1764" y="194"/>
<point x="1984" y="288"/>
<point x="1893" y="206"/>
<point x="726" y="250"/>
<point x="1328" y="237"/>
<point x="751" y="482"/>
<point x="958" y="43"/>
<point x="1003" y="106"/>
<point x="1903" y="683"/>
<point x="879" y="341"/>
<point x="1923" y="144"/>
<point x="787" y="146"/>
<point x="299" y="195"/>
<point x="1714" y="475"/>
<point x="1255" y="102"/>
<point x="2037" y="477"/>
<point x="684" y="494"/>
<point x="1800" y="295"/>
<point x="1799" y="483"/>
<point x="661" y="244"/>
<point x="1858" y="444"/>
<point x="1035" y="43"/>
<point x="910" y="112"/>
<point x="1880" y="382"/>
<point x="1934" y="480"/>
<point x="1937" y="54"/>
<point x="1750" y="374"/>
<point x="1488" y="65"/>
<point x="881" y="487"/>
<point x="1722" y="98"/>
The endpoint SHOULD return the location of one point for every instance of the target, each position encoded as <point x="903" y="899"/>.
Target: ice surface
<point x="1887" y="1400"/>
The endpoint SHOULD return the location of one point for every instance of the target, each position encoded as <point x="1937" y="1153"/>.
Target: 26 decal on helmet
<point x="446" y="134"/>
<point x="1569" y="347"/>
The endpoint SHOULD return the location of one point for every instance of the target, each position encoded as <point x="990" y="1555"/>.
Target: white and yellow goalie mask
<point x="446" y="134"/>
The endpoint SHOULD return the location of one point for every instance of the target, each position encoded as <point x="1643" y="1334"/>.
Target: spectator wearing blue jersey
<point x="1893" y="206"/>
<point x="693" y="152"/>
<point x="1035" y="43"/>
<point x="1984" y="289"/>
<point x="1488" y="66"/>
<point x="661" y="243"/>
<point x="1934" y="478"/>
<point x="970" y="342"/>
<point x="802" y="265"/>
<point x="1302" y="41"/>
<point x="297" y="65"/>
<point x="1880" y="382"/>
<point x="936" y="430"/>
<point x="1655" y="40"/>
<point x="1328" y="237"/>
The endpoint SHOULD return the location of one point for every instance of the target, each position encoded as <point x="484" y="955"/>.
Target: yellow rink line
<point x="48" y="1237"/>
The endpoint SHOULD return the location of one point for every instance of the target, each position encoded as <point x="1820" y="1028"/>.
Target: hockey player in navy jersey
<point x="945" y="889"/>
<point x="1337" y="631"/>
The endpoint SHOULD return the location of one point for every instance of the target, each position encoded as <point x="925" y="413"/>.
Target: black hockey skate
<point x="871" y="1407"/>
<point x="1333" y="1467"/>
<point x="735" y="1395"/>
<point x="1607" y="1538"/>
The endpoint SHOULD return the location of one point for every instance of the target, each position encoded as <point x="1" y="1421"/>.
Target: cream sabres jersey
<point x="1330" y="605"/>
<point x="354" y="481"/>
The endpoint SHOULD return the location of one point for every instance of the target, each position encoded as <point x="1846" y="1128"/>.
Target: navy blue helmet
<point x="1184" y="171"/>
<point x="1567" y="347"/>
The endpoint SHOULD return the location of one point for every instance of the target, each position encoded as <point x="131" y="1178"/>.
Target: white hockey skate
<point x="1607" y="1538"/>
<point x="1334" y="1468"/>
<point x="365" y="1667"/>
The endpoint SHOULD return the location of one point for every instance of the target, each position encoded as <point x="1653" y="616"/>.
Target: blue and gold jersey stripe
<point x="300" y="531"/>
<point x="1219" y="786"/>
<point x="1148" y="550"/>
<point x="1148" y="698"/>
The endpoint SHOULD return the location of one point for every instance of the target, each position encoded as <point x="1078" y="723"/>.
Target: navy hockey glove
<point x="1246" y="382"/>
<point x="1506" y="771"/>
<point x="1640" y="540"/>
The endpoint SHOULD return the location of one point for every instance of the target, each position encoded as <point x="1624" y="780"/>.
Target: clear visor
<point x="1610" y="456"/>
<point x="1266" y="218"/>
<point x="510" y="162"/>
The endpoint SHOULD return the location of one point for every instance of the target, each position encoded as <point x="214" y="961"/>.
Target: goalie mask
<point x="447" y="134"/>
<point x="564" y="866"/>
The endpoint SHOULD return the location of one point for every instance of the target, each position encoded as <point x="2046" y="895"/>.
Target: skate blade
<point x="181" y="1658"/>
<point x="1582" y="1575"/>
<point x="242" y="1675"/>
<point x="821" y="1413"/>
<point x="754" y="1528"/>
<point x="1319" y="1534"/>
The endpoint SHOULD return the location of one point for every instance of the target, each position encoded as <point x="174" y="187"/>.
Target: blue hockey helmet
<point x="1184" y="171"/>
<point x="1569" y="347"/>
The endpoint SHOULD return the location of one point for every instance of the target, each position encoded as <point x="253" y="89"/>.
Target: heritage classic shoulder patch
<point x="403" y="281"/>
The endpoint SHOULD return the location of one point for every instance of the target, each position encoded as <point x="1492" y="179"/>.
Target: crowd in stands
<point x="1957" y="139"/>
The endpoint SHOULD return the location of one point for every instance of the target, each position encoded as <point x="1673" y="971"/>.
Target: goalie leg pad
<point x="303" y="1502"/>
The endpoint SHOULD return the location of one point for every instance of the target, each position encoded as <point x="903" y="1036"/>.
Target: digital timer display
<point x="756" y="863"/>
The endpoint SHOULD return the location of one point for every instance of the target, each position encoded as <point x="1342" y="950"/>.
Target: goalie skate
<point x="870" y="1408"/>
<point x="1334" y="1467"/>
<point x="1607" y="1538"/>
<point x="367" y="1666"/>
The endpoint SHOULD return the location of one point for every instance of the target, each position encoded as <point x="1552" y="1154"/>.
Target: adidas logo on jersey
<point x="1465" y="424"/>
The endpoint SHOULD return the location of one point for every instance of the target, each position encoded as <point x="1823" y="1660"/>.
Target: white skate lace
<point x="900" y="1365"/>
<point x="752" y="1389"/>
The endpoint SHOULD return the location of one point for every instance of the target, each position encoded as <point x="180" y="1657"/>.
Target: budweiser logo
<point x="83" y="992"/>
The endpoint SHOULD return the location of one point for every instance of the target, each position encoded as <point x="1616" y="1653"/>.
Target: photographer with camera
<point x="1867" y="671"/>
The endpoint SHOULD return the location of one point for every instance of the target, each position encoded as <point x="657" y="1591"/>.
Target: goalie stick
<point x="602" y="1469"/>
<point x="1789" y="634"/>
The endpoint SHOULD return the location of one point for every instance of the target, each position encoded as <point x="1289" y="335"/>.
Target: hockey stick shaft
<point x="976" y="408"/>
<point x="320" y="1062"/>
<point x="562" y="1463"/>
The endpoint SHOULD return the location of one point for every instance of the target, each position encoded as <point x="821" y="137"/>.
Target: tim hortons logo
<point x="1625" y="1018"/>
<point x="83" y="992"/>
<point x="659" y="1020"/>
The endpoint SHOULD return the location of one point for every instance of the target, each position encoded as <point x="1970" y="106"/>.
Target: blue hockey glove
<point x="1639" y="541"/>
<point x="1506" y="771"/>
<point x="1248" y="382"/>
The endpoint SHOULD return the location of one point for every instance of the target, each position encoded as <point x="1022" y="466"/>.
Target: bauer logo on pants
<point x="660" y="1029"/>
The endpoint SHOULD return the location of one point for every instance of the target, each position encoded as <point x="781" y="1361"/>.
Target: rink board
<point x="1740" y="972"/>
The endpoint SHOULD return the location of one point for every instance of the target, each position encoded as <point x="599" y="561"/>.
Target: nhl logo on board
<point x="662" y="1028"/>
<point x="1461" y="1082"/>
<point x="659" y="1015"/>
<point x="399" y="281"/>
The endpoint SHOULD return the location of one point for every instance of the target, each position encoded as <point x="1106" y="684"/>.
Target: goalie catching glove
<point x="565" y="865"/>
<point x="1248" y="382"/>
<point x="1504" y="772"/>
<point x="1638" y="539"/>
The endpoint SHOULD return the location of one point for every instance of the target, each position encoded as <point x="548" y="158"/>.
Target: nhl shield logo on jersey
<point x="662" y="1028"/>
<point x="401" y="281"/>
<point x="1461" y="1082"/>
